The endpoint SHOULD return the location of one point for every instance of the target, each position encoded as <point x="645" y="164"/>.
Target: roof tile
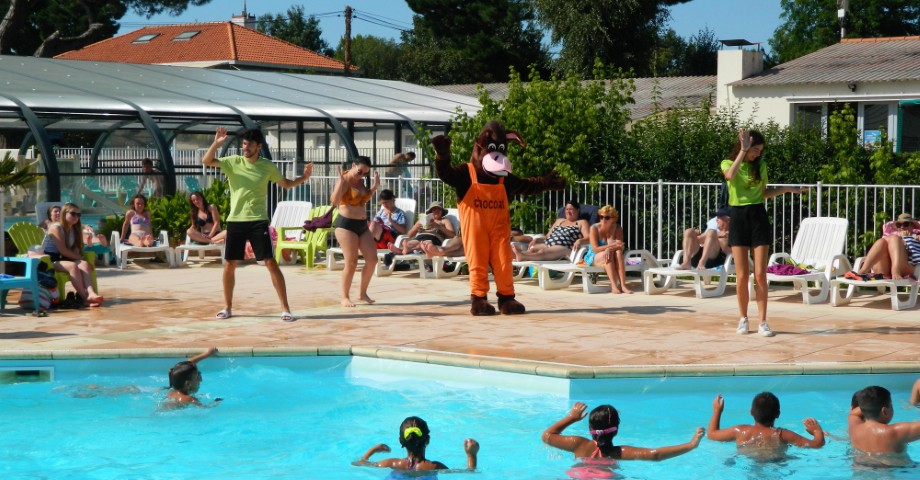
<point x="217" y="43"/>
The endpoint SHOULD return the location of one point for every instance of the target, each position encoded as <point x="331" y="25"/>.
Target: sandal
<point x="853" y="276"/>
<point x="287" y="317"/>
<point x="223" y="314"/>
<point x="97" y="302"/>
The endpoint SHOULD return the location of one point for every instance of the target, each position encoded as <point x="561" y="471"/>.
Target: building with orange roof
<point x="220" y="45"/>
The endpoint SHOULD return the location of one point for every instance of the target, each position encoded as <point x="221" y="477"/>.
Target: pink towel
<point x="786" y="270"/>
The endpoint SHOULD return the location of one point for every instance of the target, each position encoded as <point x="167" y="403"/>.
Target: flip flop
<point x="223" y="315"/>
<point x="98" y="302"/>
<point x="287" y="317"/>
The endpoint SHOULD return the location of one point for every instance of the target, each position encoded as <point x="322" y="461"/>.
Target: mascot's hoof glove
<point x="509" y="306"/>
<point x="481" y="306"/>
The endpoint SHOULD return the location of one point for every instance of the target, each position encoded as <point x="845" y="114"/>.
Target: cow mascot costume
<point x="483" y="187"/>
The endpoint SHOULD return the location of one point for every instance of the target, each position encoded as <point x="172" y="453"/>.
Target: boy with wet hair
<point x="414" y="437"/>
<point x="185" y="379"/>
<point x="870" y="429"/>
<point x="762" y="440"/>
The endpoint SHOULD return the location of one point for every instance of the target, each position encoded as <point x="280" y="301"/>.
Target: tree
<point x="295" y="27"/>
<point x="46" y="29"/>
<point x="570" y="125"/>
<point x="621" y="33"/>
<point x="809" y="25"/>
<point x="377" y="57"/>
<point x="468" y="41"/>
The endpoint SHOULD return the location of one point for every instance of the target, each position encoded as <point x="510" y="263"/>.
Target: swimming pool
<point x="310" y="417"/>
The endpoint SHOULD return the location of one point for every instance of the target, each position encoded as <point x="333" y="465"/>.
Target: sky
<point x="729" y="19"/>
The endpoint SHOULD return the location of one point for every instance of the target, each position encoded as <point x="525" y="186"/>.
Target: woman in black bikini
<point x="351" y="230"/>
<point x="566" y="234"/>
<point x="205" y="220"/>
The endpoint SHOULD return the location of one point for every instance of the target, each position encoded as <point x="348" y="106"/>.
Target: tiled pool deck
<point x="152" y="310"/>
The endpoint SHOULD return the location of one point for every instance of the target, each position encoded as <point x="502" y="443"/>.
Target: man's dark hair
<point x="765" y="408"/>
<point x="253" y="135"/>
<point x="872" y="400"/>
<point x="387" y="194"/>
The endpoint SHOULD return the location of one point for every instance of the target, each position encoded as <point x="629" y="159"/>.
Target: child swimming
<point x="603" y="425"/>
<point x="876" y="440"/>
<point x="185" y="378"/>
<point x="762" y="440"/>
<point x="414" y="437"/>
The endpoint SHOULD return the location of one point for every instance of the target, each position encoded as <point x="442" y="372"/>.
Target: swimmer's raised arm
<point x="365" y="460"/>
<point x="812" y="427"/>
<point x="471" y="447"/>
<point x="553" y="435"/>
<point x="714" y="432"/>
<point x="203" y="355"/>
<point x="662" y="453"/>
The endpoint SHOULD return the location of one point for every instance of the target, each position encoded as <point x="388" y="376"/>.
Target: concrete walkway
<point x="564" y="333"/>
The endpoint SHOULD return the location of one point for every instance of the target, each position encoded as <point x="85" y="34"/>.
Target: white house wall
<point x="775" y="102"/>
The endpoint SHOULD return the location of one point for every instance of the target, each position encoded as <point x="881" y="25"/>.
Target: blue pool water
<point x="310" y="417"/>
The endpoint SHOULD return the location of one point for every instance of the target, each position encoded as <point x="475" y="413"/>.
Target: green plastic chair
<point x="26" y="235"/>
<point x="309" y="242"/>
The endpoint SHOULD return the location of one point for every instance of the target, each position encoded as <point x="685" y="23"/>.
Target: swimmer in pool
<point x="875" y="440"/>
<point x="414" y="437"/>
<point x="915" y="394"/>
<point x="762" y="441"/>
<point x="184" y="380"/>
<point x="603" y="425"/>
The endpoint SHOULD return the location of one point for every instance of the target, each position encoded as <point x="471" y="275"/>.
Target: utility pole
<point x="347" y="42"/>
<point x="842" y="16"/>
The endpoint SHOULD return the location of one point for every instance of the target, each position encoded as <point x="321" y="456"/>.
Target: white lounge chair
<point x="335" y="259"/>
<point x="589" y="272"/>
<point x="182" y="251"/>
<point x="820" y="243"/>
<point x="839" y="298"/>
<point x="658" y="280"/>
<point x="121" y="250"/>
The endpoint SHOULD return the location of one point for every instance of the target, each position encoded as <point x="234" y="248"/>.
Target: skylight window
<point x="186" y="36"/>
<point x="146" y="38"/>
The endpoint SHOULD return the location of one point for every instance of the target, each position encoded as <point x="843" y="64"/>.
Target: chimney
<point x="245" y="19"/>
<point x="735" y="65"/>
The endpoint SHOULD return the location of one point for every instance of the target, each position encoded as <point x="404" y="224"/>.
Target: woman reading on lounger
<point x="566" y="234"/>
<point x="434" y="229"/>
<point x="351" y="228"/>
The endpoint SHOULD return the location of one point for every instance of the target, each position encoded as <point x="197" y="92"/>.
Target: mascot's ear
<point x="511" y="135"/>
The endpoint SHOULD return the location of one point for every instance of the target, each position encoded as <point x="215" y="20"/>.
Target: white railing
<point x="653" y="214"/>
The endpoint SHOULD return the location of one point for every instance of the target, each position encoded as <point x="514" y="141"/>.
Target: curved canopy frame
<point x="52" y="96"/>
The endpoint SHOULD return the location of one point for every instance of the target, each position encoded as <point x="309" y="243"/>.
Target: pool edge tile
<point x="285" y="351"/>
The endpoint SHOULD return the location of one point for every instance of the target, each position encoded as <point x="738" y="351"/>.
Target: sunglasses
<point x="76" y="214"/>
<point x="904" y="224"/>
<point x="605" y="217"/>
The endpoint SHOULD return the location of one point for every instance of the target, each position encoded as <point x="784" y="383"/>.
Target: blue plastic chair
<point x="29" y="281"/>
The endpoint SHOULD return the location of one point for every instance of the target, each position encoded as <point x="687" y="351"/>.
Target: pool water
<point x="310" y="417"/>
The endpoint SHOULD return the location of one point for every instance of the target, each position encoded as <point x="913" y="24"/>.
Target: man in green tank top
<point x="249" y="175"/>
